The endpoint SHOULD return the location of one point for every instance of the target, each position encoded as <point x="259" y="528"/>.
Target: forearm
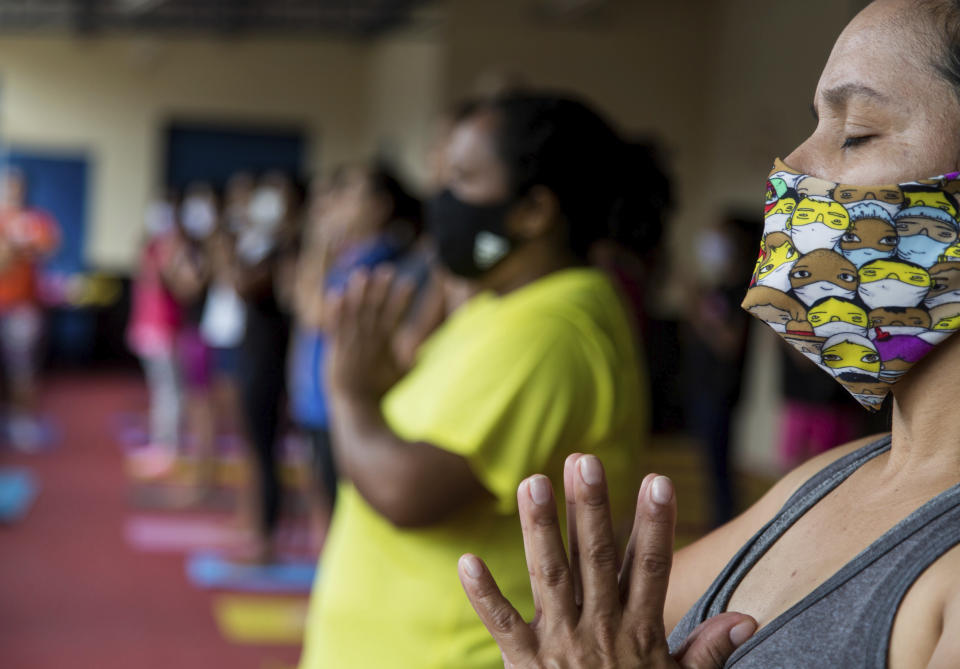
<point x="410" y="484"/>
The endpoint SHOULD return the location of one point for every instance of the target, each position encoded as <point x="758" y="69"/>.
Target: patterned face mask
<point x="862" y="280"/>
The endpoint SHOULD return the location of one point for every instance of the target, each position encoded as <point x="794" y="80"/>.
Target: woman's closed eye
<point x="851" y="142"/>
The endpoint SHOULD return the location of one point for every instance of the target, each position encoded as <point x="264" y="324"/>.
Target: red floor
<point x="72" y="594"/>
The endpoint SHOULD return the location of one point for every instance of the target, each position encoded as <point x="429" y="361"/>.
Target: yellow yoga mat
<point x="261" y="620"/>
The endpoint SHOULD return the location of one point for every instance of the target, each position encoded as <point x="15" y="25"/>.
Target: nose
<point x="870" y="196"/>
<point x="834" y="319"/>
<point x="819" y="218"/>
<point x="892" y="275"/>
<point x="804" y="158"/>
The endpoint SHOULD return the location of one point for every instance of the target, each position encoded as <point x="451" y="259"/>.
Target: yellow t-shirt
<point x="513" y="384"/>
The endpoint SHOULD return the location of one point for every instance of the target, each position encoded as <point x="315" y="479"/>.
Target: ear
<point x="535" y="215"/>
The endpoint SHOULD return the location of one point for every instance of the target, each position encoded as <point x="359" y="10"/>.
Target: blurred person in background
<point x="27" y="235"/>
<point x="361" y="218"/>
<point x="223" y="321"/>
<point x="540" y="363"/>
<point x="152" y="333"/>
<point x="188" y="273"/>
<point x="264" y="248"/>
<point x="817" y="412"/>
<point x="715" y="349"/>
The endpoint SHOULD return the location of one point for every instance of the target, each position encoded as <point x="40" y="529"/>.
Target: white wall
<point x="111" y="98"/>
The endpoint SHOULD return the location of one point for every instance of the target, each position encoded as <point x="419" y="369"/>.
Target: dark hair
<point x="945" y="16"/>
<point x="404" y="206"/>
<point x="606" y="188"/>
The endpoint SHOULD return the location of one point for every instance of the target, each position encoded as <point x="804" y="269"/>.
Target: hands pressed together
<point x="591" y="611"/>
<point x="363" y="321"/>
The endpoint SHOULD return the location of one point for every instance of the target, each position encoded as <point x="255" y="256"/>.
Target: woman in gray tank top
<point x="853" y="559"/>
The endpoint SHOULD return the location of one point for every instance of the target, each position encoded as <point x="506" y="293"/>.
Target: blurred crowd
<point x="431" y="352"/>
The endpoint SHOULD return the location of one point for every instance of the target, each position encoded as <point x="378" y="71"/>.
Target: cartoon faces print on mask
<point x="863" y="280"/>
<point x="822" y="273"/>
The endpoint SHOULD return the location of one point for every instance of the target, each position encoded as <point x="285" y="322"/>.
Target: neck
<point x="525" y="265"/>
<point x="926" y="419"/>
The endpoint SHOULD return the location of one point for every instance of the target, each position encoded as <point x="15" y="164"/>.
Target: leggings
<point x="262" y="358"/>
<point x="163" y="383"/>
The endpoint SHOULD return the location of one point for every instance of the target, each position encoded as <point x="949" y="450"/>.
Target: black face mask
<point x="471" y="239"/>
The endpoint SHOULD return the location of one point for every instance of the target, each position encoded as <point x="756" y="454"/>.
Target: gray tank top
<point x="847" y="620"/>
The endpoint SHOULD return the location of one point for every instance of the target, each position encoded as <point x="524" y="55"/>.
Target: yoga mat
<point x="213" y="571"/>
<point x="18" y="490"/>
<point x="169" y="533"/>
<point x="47" y="437"/>
<point x="173" y="534"/>
<point x="261" y="620"/>
<point x="166" y="497"/>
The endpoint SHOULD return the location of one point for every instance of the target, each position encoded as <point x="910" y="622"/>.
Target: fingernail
<point x="539" y="489"/>
<point x="742" y="632"/>
<point x="471" y="566"/>
<point x="590" y="470"/>
<point x="661" y="490"/>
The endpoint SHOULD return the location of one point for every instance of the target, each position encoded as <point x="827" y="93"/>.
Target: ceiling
<point x="355" y="18"/>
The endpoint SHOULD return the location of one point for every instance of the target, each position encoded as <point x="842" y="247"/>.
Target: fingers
<point x="401" y="297"/>
<point x="713" y="641"/>
<point x="507" y="627"/>
<point x="631" y="547"/>
<point x="377" y="302"/>
<point x="377" y="296"/>
<point x="569" y="493"/>
<point x="546" y="558"/>
<point x="652" y="554"/>
<point x="353" y="300"/>
<point x="598" y="548"/>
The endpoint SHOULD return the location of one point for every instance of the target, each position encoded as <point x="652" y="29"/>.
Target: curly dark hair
<point x="606" y="188"/>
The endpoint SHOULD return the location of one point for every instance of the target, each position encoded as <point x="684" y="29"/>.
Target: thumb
<point x="714" y="640"/>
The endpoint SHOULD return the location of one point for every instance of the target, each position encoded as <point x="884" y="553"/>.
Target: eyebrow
<point x="839" y="96"/>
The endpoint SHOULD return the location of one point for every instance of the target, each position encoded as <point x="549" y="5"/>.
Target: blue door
<point x="213" y="152"/>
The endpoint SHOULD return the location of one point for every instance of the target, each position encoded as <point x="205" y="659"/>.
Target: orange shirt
<point x="25" y="236"/>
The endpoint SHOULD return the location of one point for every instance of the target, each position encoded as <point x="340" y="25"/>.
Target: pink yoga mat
<point x="174" y="534"/>
<point x="179" y="535"/>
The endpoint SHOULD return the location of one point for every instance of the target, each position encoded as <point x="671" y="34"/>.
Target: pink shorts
<point x="194" y="357"/>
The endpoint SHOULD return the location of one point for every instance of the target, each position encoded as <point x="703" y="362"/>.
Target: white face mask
<point x="934" y="337"/>
<point x="713" y="252"/>
<point x="267" y="207"/>
<point x="775" y="223"/>
<point x="817" y="290"/>
<point x="839" y="327"/>
<point x="778" y="278"/>
<point x="891" y="293"/>
<point x="198" y="217"/>
<point x="159" y="218"/>
<point x="943" y="298"/>
<point x="816" y="235"/>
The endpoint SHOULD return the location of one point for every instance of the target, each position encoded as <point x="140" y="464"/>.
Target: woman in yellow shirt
<point x="539" y="364"/>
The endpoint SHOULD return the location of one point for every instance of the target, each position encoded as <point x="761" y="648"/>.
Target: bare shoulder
<point x="926" y="630"/>
<point x="696" y="566"/>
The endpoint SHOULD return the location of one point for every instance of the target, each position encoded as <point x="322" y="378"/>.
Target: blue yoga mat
<point x="18" y="489"/>
<point x="212" y="571"/>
